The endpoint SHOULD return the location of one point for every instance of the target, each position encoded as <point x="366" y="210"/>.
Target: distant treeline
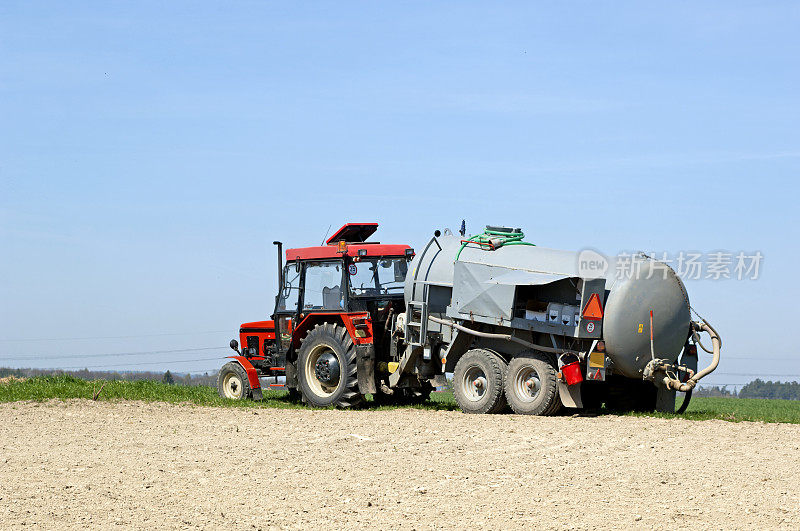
<point x="128" y="376"/>
<point x="758" y="388"/>
<point x="779" y="390"/>
<point x="715" y="391"/>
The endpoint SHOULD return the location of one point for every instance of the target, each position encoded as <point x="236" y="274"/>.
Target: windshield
<point x="377" y="276"/>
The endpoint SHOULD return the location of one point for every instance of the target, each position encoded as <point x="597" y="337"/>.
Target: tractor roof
<point x="354" y="234"/>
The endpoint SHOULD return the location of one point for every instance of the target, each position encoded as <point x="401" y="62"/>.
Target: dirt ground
<point x="85" y="464"/>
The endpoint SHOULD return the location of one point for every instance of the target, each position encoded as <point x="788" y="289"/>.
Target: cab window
<point x="323" y="286"/>
<point x="291" y="289"/>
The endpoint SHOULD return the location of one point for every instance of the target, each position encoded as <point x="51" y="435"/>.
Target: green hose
<point x="505" y="237"/>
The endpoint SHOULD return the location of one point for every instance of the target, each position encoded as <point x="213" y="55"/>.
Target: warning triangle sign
<point x="593" y="309"/>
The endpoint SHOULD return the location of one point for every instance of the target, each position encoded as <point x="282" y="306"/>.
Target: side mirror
<point x="235" y="345"/>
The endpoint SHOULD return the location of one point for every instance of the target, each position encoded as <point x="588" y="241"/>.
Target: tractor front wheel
<point x="326" y="367"/>
<point x="232" y="382"/>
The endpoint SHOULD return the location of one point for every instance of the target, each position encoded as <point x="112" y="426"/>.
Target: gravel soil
<point x="80" y="464"/>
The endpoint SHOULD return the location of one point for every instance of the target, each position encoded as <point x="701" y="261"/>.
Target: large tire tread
<point x="546" y="404"/>
<point x="335" y="336"/>
<point x="494" y="368"/>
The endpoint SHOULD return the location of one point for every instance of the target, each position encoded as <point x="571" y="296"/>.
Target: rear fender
<point x="359" y="327"/>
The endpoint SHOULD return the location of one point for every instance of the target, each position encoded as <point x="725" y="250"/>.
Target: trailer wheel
<point x="531" y="385"/>
<point x="232" y="382"/>
<point x="478" y="382"/>
<point x="326" y="367"/>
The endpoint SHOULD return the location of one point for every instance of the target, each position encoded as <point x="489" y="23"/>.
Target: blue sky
<point x="151" y="151"/>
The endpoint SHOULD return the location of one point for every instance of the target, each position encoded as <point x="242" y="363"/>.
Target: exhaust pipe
<point x="280" y="268"/>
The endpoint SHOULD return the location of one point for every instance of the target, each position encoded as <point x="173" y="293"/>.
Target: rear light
<point x="360" y="323"/>
<point x="601" y="346"/>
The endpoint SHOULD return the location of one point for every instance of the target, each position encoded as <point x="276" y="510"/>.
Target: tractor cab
<point x="346" y="275"/>
<point x="348" y="283"/>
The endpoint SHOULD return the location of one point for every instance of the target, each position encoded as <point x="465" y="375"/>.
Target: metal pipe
<point x="280" y="264"/>
<point x="507" y="337"/>
<point x="419" y="266"/>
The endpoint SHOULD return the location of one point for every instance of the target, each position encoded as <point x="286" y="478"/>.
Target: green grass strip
<point x="67" y="387"/>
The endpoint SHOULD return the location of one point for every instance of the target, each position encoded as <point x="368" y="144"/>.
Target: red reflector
<point x="593" y="309"/>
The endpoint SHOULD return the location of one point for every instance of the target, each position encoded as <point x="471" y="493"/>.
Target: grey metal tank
<point x="626" y="302"/>
<point x="626" y="324"/>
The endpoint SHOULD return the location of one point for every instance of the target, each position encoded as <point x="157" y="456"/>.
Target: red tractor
<point x="330" y="333"/>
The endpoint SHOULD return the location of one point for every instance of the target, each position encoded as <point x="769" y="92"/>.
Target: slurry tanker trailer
<point x="517" y="325"/>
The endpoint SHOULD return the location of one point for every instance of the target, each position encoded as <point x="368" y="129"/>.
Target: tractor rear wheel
<point x="326" y="367"/>
<point x="531" y="386"/>
<point x="232" y="382"/>
<point x="478" y="382"/>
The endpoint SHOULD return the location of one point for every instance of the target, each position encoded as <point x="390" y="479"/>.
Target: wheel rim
<point x="313" y="369"/>
<point x="327" y="369"/>
<point x="232" y="386"/>
<point x="474" y="383"/>
<point x="527" y="384"/>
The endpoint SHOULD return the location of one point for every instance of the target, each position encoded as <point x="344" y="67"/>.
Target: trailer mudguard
<point x="365" y="368"/>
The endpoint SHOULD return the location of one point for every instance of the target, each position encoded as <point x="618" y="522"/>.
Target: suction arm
<point x="716" y="346"/>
